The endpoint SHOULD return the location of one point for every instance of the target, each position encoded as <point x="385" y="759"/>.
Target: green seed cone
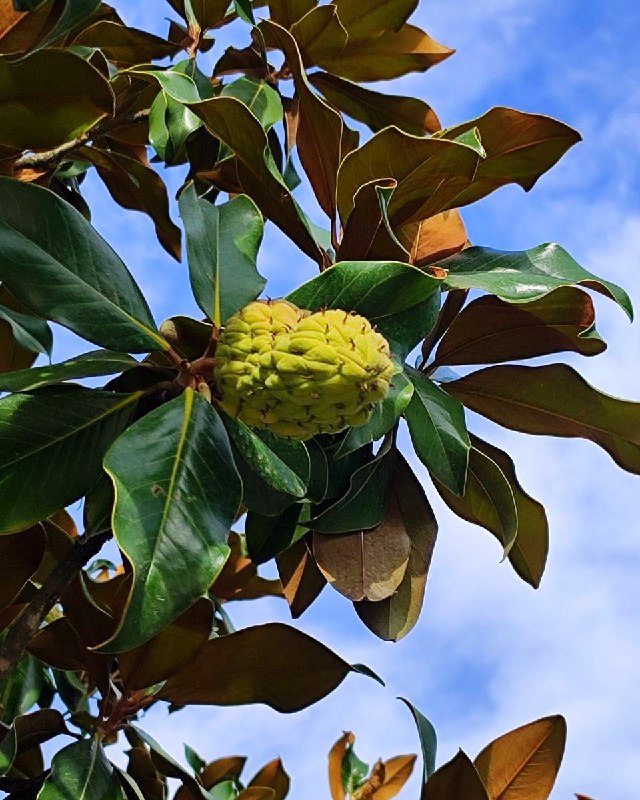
<point x="299" y="373"/>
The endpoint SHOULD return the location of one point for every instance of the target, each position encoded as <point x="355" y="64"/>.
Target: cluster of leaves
<point x="161" y="468"/>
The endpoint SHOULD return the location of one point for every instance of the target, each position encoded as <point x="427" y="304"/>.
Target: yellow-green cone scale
<point x="300" y="373"/>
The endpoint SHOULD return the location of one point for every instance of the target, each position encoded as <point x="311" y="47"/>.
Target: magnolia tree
<point x="266" y="429"/>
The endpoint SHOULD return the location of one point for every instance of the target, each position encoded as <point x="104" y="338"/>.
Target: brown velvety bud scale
<point x="300" y="373"/>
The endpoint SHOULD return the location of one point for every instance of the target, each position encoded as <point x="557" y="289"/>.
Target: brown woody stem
<point x="25" y="626"/>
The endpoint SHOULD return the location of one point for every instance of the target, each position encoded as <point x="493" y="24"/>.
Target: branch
<point x="25" y="626"/>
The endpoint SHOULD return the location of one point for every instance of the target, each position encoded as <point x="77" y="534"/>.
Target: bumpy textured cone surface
<point x="299" y="373"/>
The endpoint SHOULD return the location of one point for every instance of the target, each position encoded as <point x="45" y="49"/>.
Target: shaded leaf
<point x="366" y="565"/>
<point x="487" y="500"/>
<point x="319" y="135"/>
<point x="135" y="186"/>
<point x="169" y="651"/>
<point x="75" y="14"/>
<point x="267" y="536"/>
<point x="393" y="618"/>
<point x="374" y="109"/>
<point x="20" y="556"/>
<point x="458" y="779"/>
<point x="372" y="17"/>
<point x="20" y="688"/>
<point x="81" y="770"/>
<point x="232" y="122"/>
<point x="320" y="35"/>
<point x="293" y="670"/>
<point x="54" y="441"/>
<point x="177" y="493"/>
<point x="125" y="45"/>
<point x="168" y="766"/>
<point x="429" y="173"/>
<point x="273" y="776"/>
<point x="12" y="356"/>
<point x="208" y="13"/>
<point x="87" y="365"/>
<point x="74" y="279"/>
<point x="489" y="330"/>
<point x="523" y="764"/>
<point x="529" y="552"/>
<point x="428" y="740"/>
<point x="301" y="579"/>
<point x="20" y="31"/>
<point x="438" y="432"/>
<point x="222" y="246"/>
<point x="286" y="12"/>
<point x="50" y="98"/>
<point x="364" y="504"/>
<point x="525" y="275"/>
<point x="27" y="732"/>
<point x="520" y="147"/>
<point x="367" y="232"/>
<point x="239" y="579"/>
<point x="223" y="769"/>
<point x="554" y="400"/>
<point x="30" y="333"/>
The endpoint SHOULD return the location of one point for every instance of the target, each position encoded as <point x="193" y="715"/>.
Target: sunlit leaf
<point x="177" y="493"/>
<point x="260" y="98"/>
<point x="435" y="238"/>
<point x="525" y="275"/>
<point x="292" y="672"/>
<point x="74" y="279"/>
<point x="81" y="770"/>
<point x="301" y="579"/>
<point x="523" y="764"/>
<point x="438" y="431"/>
<point x="222" y="246"/>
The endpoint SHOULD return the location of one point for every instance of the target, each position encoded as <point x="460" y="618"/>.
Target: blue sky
<point x="489" y="653"/>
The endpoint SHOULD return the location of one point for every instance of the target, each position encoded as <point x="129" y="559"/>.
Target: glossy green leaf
<point x="30" y="332"/>
<point x="50" y="98"/>
<point x="377" y="290"/>
<point x="272" y="664"/>
<point x="374" y="109"/>
<point x="528" y="555"/>
<point x="384" y="416"/>
<point x="194" y="759"/>
<point x="54" y="441"/>
<point x="222" y="246"/>
<point x="525" y="275"/>
<point x="177" y="493"/>
<point x="244" y="10"/>
<point x="428" y="740"/>
<point x="554" y="400"/>
<point x="487" y="500"/>
<point x="260" y="98"/>
<point x="175" y="83"/>
<point x="87" y="365"/>
<point x="489" y="330"/>
<point x="170" y="125"/>
<point x="235" y="125"/>
<point x="364" y="504"/>
<point x="438" y="432"/>
<point x="394" y="617"/>
<point x="281" y="462"/>
<point x="268" y="536"/>
<point x="27" y="732"/>
<point x="354" y="771"/>
<point x="74" y="277"/>
<point x="81" y="770"/>
<point x="406" y="330"/>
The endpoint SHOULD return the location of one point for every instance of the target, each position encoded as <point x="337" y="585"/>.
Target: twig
<point x="25" y="626"/>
